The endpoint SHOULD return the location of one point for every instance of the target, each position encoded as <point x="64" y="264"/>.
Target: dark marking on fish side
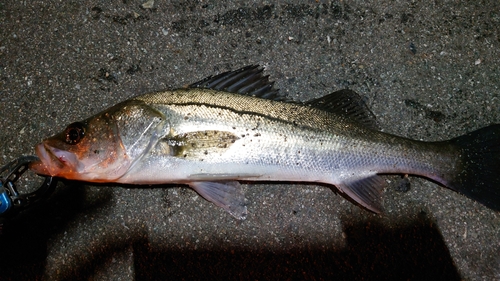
<point x="200" y="143"/>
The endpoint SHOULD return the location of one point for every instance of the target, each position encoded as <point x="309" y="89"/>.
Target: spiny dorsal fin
<point x="246" y="81"/>
<point x="348" y="104"/>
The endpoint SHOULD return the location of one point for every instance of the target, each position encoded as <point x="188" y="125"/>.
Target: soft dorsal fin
<point x="246" y="81"/>
<point x="348" y="104"/>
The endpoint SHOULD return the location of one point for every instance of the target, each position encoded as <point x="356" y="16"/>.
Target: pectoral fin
<point x="365" y="191"/>
<point x="227" y="195"/>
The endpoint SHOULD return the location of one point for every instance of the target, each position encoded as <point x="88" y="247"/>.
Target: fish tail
<point x="479" y="175"/>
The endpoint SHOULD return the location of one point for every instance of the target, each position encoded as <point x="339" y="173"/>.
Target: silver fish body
<point x="208" y="135"/>
<point x="210" y="139"/>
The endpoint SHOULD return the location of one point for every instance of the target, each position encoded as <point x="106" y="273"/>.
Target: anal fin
<point x="227" y="195"/>
<point x="365" y="191"/>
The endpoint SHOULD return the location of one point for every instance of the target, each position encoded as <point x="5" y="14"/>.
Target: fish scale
<point x="236" y="127"/>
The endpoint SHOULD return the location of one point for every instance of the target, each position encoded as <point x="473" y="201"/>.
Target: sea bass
<point x="236" y="127"/>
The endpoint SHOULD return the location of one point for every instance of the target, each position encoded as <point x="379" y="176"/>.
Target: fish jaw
<point x="55" y="162"/>
<point x="66" y="164"/>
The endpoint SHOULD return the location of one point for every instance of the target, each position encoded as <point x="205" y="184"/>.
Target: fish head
<point x="90" y="150"/>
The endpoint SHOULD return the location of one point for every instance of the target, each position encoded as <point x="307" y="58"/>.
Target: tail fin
<point x="479" y="178"/>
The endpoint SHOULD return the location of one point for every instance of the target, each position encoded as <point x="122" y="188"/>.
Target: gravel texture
<point x="429" y="70"/>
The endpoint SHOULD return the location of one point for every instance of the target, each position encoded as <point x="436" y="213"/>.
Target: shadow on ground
<point x="373" y="252"/>
<point x="24" y="239"/>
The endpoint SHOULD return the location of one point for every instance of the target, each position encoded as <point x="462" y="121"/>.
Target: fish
<point x="235" y="126"/>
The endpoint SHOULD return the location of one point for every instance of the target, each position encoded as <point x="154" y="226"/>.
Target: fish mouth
<point x="53" y="162"/>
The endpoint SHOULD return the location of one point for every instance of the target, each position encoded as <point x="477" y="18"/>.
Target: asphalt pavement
<point x="429" y="70"/>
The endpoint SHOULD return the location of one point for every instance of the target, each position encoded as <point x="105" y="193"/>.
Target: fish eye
<point x="74" y="133"/>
